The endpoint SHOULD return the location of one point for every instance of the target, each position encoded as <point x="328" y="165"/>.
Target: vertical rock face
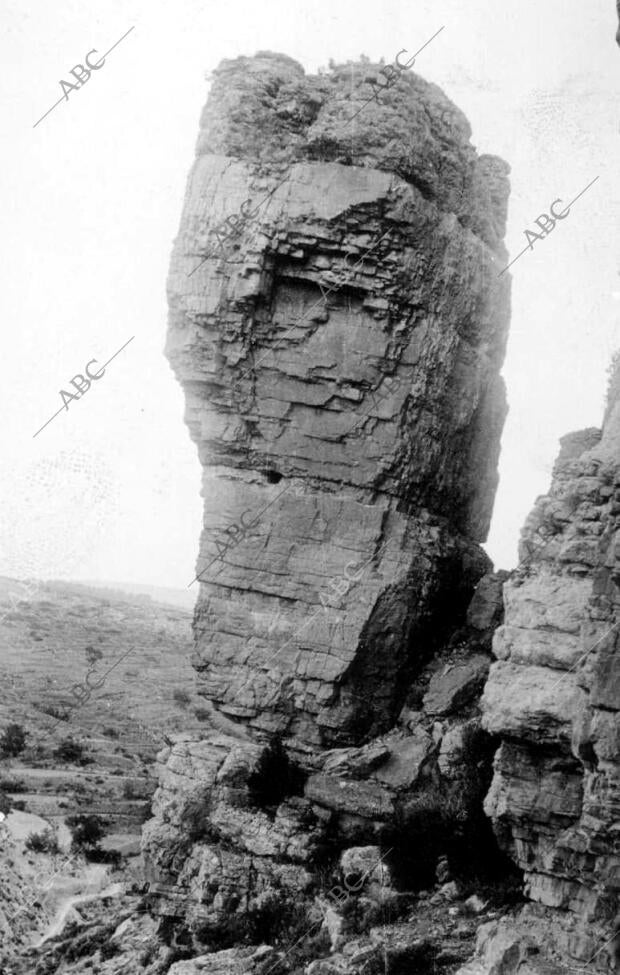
<point x="341" y="368"/>
<point x="340" y="358"/>
<point x="553" y="696"/>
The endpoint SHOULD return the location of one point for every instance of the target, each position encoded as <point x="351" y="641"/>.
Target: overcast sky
<point x="92" y="199"/>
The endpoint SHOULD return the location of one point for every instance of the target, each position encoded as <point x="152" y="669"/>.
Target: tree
<point x="86" y="830"/>
<point x="69" y="751"/>
<point x="13" y="741"/>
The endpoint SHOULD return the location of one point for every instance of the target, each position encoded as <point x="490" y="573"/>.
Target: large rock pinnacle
<point x="340" y="359"/>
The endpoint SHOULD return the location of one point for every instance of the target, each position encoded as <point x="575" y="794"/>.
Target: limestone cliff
<point x="339" y="341"/>
<point x="553" y="696"/>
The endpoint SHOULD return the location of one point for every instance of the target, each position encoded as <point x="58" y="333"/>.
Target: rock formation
<point x="338" y="325"/>
<point x="553" y="697"/>
<point x="341" y="369"/>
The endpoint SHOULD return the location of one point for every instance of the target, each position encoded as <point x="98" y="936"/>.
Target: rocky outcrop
<point x="340" y="355"/>
<point x="553" y="696"/>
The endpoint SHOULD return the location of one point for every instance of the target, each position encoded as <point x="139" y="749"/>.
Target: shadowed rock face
<point x="341" y="370"/>
<point x="554" y="697"/>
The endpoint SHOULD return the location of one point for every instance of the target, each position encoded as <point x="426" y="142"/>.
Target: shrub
<point x="111" y="732"/>
<point x="276" y="922"/>
<point x="113" y="857"/>
<point x="128" y="791"/>
<point x="5" y="803"/>
<point x="69" y="751"/>
<point x="202" y="714"/>
<point x="86" y="830"/>
<point x="181" y="696"/>
<point x="20" y="805"/>
<point x="13" y="740"/>
<point x="45" y="842"/>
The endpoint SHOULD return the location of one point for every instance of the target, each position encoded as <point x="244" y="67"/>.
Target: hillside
<point x="107" y="670"/>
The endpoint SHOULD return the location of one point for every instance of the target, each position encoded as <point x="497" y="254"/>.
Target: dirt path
<point x="92" y="886"/>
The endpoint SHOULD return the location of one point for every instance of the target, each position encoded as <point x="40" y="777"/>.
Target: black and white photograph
<point x="310" y="488"/>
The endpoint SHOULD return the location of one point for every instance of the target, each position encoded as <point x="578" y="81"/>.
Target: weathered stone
<point x="455" y="685"/>
<point x="486" y="608"/>
<point x="453" y="747"/>
<point x="406" y="760"/>
<point x="475" y="904"/>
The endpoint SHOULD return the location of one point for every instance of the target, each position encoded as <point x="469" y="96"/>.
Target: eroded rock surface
<point x="553" y="696"/>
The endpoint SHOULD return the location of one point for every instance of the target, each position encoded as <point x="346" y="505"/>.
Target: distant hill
<point x="108" y="669"/>
<point x="186" y="598"/>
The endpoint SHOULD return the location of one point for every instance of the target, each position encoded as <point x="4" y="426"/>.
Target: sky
<point x="92" y="198"/>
